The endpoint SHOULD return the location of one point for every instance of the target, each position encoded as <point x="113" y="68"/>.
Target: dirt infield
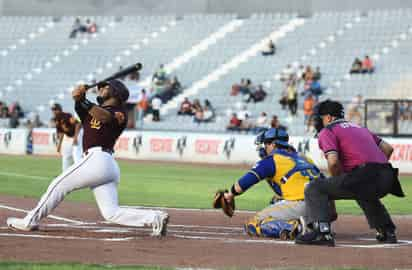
<point x="195" y="238"/>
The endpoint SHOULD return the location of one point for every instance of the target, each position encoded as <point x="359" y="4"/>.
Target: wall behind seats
<point x="180" y="7"/>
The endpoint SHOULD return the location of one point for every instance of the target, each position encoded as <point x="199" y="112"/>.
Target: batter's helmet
<point x="120" y="91"/>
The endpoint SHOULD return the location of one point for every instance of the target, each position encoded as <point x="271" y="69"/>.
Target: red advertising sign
<point x="207" y="147"/>
<point x="161" y="145"/>
<point x="122" y="144"/>
<point x="402" y="152"/>
<point x="40" y="138"/>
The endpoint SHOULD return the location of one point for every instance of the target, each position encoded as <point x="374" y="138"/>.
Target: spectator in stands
<point x="317" y="75"/>
<point x="356" y="66"/>
<point x="234" y="123"/>
<point x="198" y="116"/>
<point x="315" y="89"/>
<point x="196" y="106"/>
<point x="269" y="49"/>
<point x="160" y="75"/>
<point x="243" y="113"/>
<point x="77" y="27"/>
<point x="292" y="95"/>
<point x="308" y="105"/>
<point x="14" y="119"/>
<point x="208" y="111"/>
<point x="262" y="122"/>
<point x="258" y="95"/>
<point x="246" y="87"/>
<point x="15" y="106"/>
<point x="141" y="108"/>
<point x="405" y="111"/>
<point x="286" y="73"/>
<point x="274" y="123"/>
<point x="3" y="110"/>
<point x="284" y="99"/>
<point x="208" y="114"/>
<point x="236" y="88"/>
<point x="156" y="104"/>
<point x="91" y="26"/>
<point x="185" y="107"/>
<point x="367" y="65"/>
<point x="246" y="124"/>
<point x="308" y="74"/>
<point x="354" y="110"/>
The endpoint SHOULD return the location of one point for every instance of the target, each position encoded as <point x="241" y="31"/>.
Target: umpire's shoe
<point x="159" y="225"/>
<point x="386" y="236"/>
<point x="21" y="224"/>
<point x="321" y="235"/>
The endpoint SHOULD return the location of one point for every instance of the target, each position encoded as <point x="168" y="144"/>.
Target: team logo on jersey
<point x="96" y="124"/>
<point x="229" y="146"/>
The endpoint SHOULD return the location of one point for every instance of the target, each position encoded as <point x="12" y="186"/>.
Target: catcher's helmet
<point x="273" y="135"/>
<point x="330" y="107"/>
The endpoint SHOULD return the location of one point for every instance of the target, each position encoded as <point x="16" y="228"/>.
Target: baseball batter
<point x="69" y="136"/>
<point x="97" y="170"/>
<point x="287" y="172"/>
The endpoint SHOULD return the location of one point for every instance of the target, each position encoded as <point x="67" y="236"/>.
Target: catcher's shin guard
<point x="284" y="230"/>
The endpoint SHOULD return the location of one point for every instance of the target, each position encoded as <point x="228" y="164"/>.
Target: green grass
<point x="155" y="184"/>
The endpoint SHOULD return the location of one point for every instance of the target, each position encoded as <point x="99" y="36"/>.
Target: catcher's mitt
<point x="219" y="201"/>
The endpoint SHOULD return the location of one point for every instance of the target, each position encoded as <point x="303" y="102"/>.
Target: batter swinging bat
<point x="133" y="68"/>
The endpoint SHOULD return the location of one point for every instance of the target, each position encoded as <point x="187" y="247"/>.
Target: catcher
<point x="287" y="172"/>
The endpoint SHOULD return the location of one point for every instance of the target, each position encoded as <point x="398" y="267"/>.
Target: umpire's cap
<point x="330" y="107"/>
<point x="277" y="136"/>
<point x="120" y="91"/>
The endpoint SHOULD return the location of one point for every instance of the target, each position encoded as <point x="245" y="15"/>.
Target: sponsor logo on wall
<point x="181" y="145"/>
<point x="161" y="145"/>
<point x="207" y="146"/>
<point x="229" y="146"/>
<point x="137" y="143"/>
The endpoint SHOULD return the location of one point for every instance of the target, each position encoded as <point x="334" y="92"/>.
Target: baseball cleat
<point x="159" y="225"/>
<point x="386" y="237"/>
<point x="315" y="238"/>
<point x="20" y="224"/>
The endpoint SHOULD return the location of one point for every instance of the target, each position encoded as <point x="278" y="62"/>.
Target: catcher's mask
<point x="326" y="107"/>
<point x="273" y="135"/>
<point x="117" y="90"/>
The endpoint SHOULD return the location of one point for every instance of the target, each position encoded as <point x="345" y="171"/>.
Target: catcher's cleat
<point x="387" y="237"/>
<point x="21" y="224"/>
<point x="315" y="238"/>
<point x="159" y="225"/>
<point x="252" y="227"/>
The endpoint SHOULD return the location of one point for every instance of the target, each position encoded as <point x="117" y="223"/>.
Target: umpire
<point x="358" y="163"/>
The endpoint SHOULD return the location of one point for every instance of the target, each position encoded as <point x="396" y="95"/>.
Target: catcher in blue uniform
<point x="287" y="172"/>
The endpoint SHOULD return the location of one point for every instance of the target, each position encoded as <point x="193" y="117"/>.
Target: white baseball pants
<point x="71" y="153"/>
<point x="99" y="171"/>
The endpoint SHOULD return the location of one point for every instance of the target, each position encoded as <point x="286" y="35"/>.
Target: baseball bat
<point x="121" y="73"/>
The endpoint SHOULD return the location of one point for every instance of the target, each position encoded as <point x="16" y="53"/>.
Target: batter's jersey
<point x="289" y="171"/>
<point x="354" y="144"/>
<point x="66" y="124"/>
<point x="96" y="133"/>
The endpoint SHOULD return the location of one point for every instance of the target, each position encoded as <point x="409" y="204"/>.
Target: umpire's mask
<point x="330" y="107"/>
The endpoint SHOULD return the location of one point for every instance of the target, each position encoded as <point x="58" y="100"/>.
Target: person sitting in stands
<point x="269" y="48"/>
<point x="258" y="95"/>
<point x="234" y="123"/>
<point x="367" y="65"/>
<point x="356" y="66"/>
<point x="185" y="107"/>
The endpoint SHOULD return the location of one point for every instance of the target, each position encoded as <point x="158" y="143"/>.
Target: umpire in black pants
<point x="358" y="164"/>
